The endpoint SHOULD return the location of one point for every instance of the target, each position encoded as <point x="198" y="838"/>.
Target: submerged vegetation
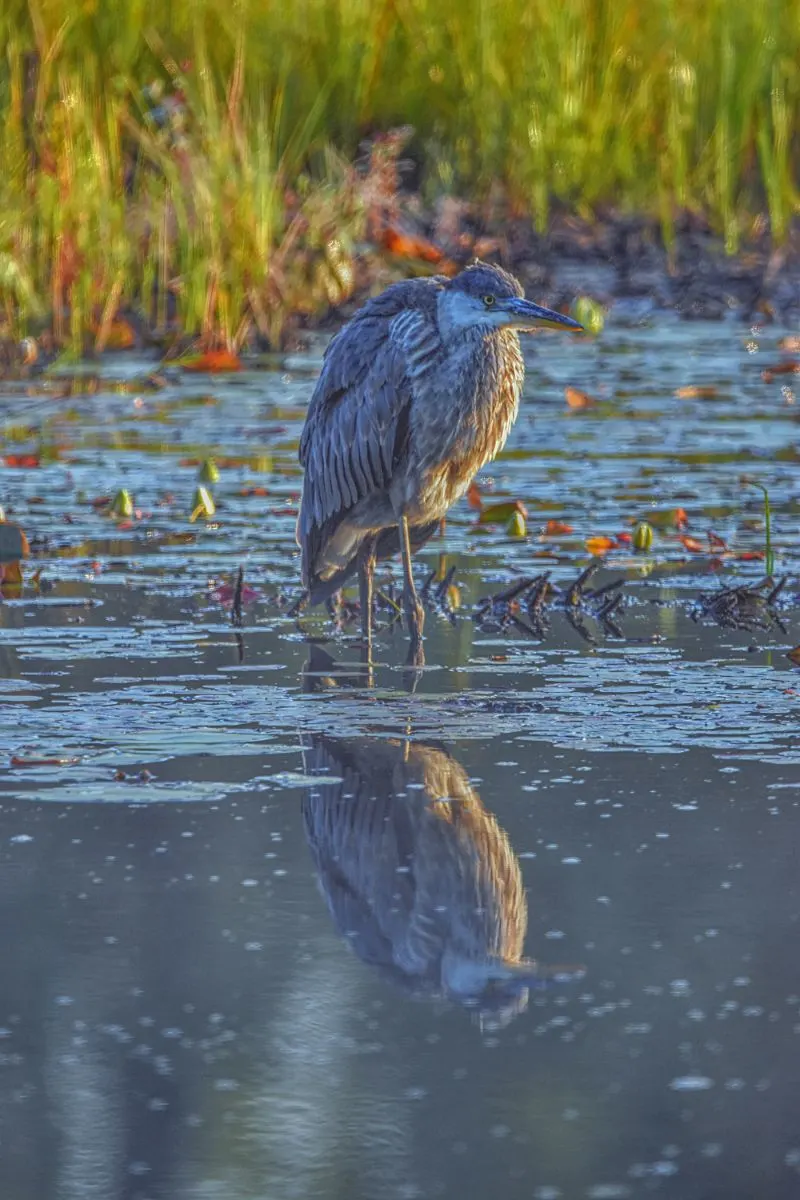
<point x="193" y="163"/>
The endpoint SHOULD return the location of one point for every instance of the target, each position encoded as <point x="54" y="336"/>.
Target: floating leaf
<point x="692" y="545"/>
<point x="624" y="538"/>
<point x="209" y="471"/>
<point x="791" y="343"/>
<point x="122" y="504"/>
<point x="17" y="760"/>
<point x="751" y="556"/>
<point x="668" y="518"/>
<point x="213" y="361"/>
<point x="23" y="460"/>
<point x="499" y="514"/>
<point x="599" y="545"/>
<point x="474" y="499"/>
<point x="786" y="368"/>
<point x="697" y="392"/>
<point x="202" y="504"/>
<point x="794" y="656"/>
<point x="577" y="399"/>
<point x="253" y="491"/>
<point x="516" y="527"/>
<point x="590" y="314"/>
<point x="554" y="528"/>
<point x="715" y="541"/>
<point x="224" y="593"/>
<point x="643" y="537"/>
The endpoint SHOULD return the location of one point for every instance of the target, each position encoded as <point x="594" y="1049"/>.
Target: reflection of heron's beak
<point x="527" y="315"/>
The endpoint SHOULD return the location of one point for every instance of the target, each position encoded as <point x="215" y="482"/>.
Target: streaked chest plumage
<point x="465" y="404"/>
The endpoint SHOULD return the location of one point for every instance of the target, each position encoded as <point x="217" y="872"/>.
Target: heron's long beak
<point x="528" y="315"/>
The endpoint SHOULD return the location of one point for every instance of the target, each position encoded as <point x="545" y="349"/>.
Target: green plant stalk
<point x="769" y="557"/>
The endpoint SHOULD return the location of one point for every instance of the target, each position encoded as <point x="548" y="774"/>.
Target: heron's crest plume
<point x="481" y="278"/>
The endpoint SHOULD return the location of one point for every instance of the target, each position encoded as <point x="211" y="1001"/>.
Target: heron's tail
<point x="386" y="546"/>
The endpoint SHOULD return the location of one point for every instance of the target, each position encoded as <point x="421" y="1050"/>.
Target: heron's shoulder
<point x="408" y="295"/>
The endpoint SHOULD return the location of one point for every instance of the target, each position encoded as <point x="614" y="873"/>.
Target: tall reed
<point x="229" y="207"/>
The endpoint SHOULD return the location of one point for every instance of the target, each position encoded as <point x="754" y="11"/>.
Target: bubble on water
<point x="570" y="861"/>
<point x="226" y="1085"/>
<point x="608" y="1191"/>
<point x="691" y="1083"/>
<point x="20" y="838"/>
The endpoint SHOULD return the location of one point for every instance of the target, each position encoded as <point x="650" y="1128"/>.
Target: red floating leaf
<point x="554" y="528"/>
<point x="213" y="362"/>
<point x="474" y="499"/>
<point x="599" y="545"/>
<point x="577" y="399"/>
<point x="691" y="544"/>
<point x="22" y="460"/>
<point x="697" y="392"/>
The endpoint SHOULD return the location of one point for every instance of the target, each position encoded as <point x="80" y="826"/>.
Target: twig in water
<point x="236" y="610"/>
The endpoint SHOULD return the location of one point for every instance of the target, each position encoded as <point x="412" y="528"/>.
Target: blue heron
<point x="417" y="393"/>
<point x="418" y="875"/>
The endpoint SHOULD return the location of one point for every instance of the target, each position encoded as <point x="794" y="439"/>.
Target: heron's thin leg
<point x="415" y="617"/>
<point x="366" y="571"/>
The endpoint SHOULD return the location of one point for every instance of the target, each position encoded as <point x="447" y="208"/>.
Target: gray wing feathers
<point x="359" y="405"/>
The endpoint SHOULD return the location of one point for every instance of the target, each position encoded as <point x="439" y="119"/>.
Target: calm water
<point x="214" y="981"/>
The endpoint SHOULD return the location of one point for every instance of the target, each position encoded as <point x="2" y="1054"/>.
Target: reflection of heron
<point x="416" y="394"/>
<point x="418" y="876"/>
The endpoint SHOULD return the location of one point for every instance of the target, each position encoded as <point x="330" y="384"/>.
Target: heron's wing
<point x="357" y="425"/>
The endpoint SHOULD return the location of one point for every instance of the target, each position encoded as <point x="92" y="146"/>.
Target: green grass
<point x="241" y="211"/>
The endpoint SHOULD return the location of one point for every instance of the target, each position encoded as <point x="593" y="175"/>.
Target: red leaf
<point x="23" y="460"/>
<point x="599" y="545"/>
<point x="578" y="399"/>
<point x="474" y="499"/>
<point x="692" y="544"/>
<point x="553" y="528"/>
<point x="213" y="361"/>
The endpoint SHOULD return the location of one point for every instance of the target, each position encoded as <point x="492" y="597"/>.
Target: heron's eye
<point x="489" y="300"/>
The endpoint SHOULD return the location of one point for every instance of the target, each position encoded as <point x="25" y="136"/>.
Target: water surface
<point x="197" y="998"/>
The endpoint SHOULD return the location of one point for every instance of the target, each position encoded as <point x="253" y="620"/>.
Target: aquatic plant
<point x="175" y="159"/>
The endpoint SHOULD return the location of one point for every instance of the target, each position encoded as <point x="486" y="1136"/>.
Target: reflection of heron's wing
<point x="362" y="844"/>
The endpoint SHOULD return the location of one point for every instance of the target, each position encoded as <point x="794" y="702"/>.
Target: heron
<point x="418" y="876"/>
<point x="417" y="392"/>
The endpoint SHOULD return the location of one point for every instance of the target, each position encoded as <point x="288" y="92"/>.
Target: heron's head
<point x="487" y="297"/>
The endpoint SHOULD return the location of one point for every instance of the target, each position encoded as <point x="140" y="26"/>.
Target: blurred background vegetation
<point x="198" y="157"/>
